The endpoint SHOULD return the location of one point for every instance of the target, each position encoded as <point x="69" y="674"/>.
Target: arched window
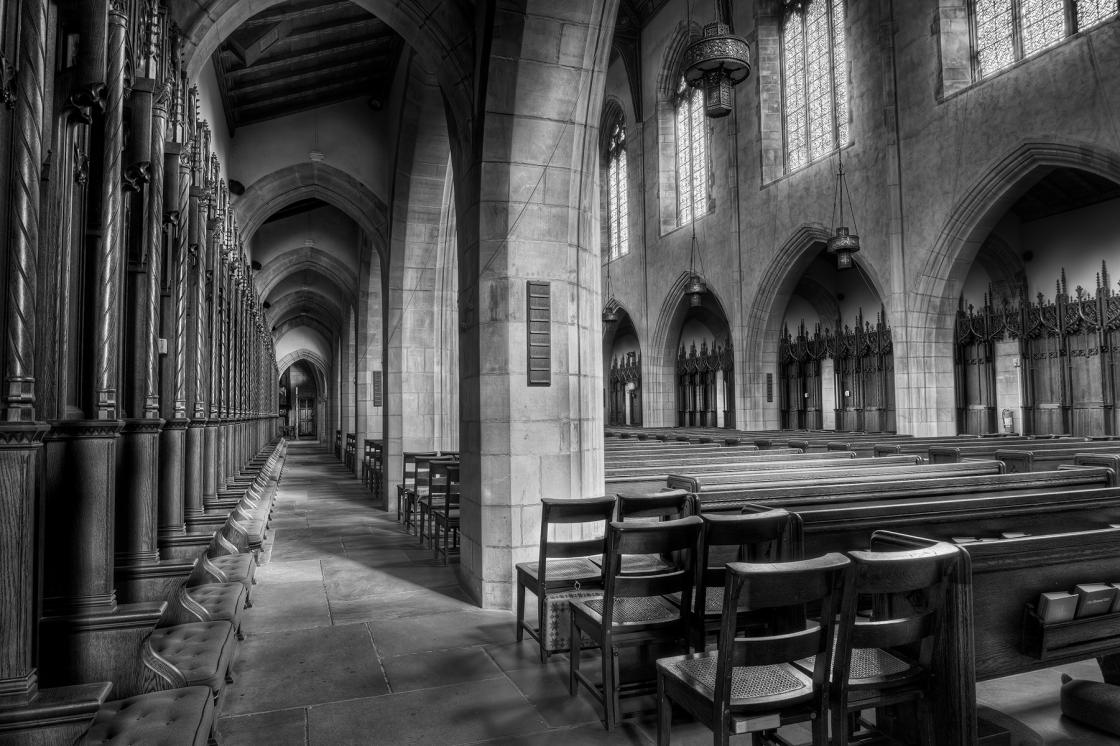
<point x="618" y="209"/>
<point x="692" y="154"/>
<point x="814" y="80"/>
<point x="1006" y="31"/>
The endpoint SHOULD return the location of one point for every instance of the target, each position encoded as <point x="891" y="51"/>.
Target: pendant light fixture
<point x="844" y="243"/>
<point x="610" y="314"/>
<point x="696" y="286"/>
<point x="716" y="62"/>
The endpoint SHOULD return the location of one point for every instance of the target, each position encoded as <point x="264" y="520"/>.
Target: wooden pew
<point x="987" y="449"/>
<point x="921" y="446"/>
<point x="991" y="636"/>
<point x="1046" y="458"/>
<point x="891" y="487"/>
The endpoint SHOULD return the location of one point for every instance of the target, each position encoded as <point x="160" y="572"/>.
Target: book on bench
<point x="1056" y="606"/>
<point x="1094" y="598"/>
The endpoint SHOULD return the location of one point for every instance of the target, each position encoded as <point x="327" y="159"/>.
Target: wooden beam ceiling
<point x="304" y="54"/>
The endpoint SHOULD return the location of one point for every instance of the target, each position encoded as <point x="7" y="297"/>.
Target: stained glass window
<point x="814" y="80"/>
<point x="692" y="154"/>
<point x="618" y="210"/>
<point x="1009" y="30"/>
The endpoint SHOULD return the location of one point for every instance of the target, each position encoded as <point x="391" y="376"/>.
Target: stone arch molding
<point x="302" y="181"/>
<point x="318" y="366"/>
<point x="976" y="213"/>
<point x="781" y="277"/>
<point x="306" y="258"/>
<point x="671" y="316"/>
<point x="439" y="30"/>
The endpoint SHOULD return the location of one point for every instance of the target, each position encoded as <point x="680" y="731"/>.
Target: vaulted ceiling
<point x="303" y="54"/>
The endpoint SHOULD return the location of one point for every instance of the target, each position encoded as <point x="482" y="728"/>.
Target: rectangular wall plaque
<point x="539" y="332"/>
<point x="769" y="387"/>
<point x="376" y="386"/>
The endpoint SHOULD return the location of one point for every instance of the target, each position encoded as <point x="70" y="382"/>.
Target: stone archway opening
<point x="622" y="355"/>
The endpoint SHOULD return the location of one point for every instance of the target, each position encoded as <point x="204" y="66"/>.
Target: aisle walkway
<point x="357" y="637"/>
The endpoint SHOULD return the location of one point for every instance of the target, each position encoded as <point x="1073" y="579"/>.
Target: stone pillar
<point x="138" y="479"/>
<point x="534" y="216"/>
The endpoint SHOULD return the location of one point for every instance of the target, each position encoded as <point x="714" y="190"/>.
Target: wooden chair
<point x="445" y="511"/>
<point x="751" y="684"/>
<point x="406" y="490"/>
<point x="887" y="658"/>
<point x="652" y="506"/>
<point x="634" y="609"/>
<point x="431" y="477"/>
<point x="563" y="565"/>
<point x="735" y="537"/>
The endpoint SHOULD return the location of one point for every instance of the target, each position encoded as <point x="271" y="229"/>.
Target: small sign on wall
<point x="769" y="387"/>
<point x="539" y="332"/>
<point x="375" y="386"/>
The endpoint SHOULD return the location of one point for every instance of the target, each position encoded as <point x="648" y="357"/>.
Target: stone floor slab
<point x="440" y="668"/>
<point x="278" y="728"/>
<point x="441" y="631"/>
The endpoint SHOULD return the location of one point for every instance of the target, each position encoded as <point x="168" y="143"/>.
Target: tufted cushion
<point x="239" y="568"/>
<point x="1092" y="703"/>
<point x="223" y="601"/>
<point x="200" y="650"/>
<point x="177" y="717"/>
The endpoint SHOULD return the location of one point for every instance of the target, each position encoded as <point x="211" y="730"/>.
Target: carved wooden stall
<point x="863" y="366"/>
<point x="1068" y="356"/>
<point x="706" y="386"/>
<point x="800" y="388"/>
<point x="624" y="400"/>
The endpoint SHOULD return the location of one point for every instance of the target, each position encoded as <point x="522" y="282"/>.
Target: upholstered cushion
<point x="238" y="568"/>
<point x="222" y="601"/>
<point x="177" y="717"/>
<point x="1092" y="703"/>
<point x="201" y="651"/>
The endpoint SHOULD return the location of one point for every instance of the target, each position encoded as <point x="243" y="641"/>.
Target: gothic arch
<point x="665" y="121"/>
<point x="305" y="258"/>
<point x="318" y="366"/>
<point x="439" y="30"/>
<point x="305" y="180"/>
<point x="938" y="284"/>
<point x="779" y="280"/>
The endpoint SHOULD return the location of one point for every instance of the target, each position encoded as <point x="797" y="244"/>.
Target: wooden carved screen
<point x="863" y="365"/>
<point x="705" y="387"/>
<point x="975" y="370"/>
<point x="1069" y="354"/>
<point x="624" y="402"/>
<point x="800" y="394"/>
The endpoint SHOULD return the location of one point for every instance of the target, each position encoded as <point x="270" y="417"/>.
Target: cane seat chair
<point x="886" y="658"/>
<point x="564" y="562"/>
<point x="445" y="510"/>
<point x="635" y="609"/>
<point x="752" y="684"/>
<point x="653" y="506"/>
<point x="733" y="537"/>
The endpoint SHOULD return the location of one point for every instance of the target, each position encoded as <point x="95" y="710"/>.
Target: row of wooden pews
<point x="1031" y="515"/>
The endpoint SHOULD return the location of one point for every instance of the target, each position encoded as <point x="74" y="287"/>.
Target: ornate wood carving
<point x="1069" y="353"/>
<point x="704" y="377"/>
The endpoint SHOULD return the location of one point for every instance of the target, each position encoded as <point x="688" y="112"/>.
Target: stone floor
<point x="357" y="637"/>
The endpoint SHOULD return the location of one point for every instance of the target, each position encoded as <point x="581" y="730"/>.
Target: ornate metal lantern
<point x="843" y="244"/>
<point x="694" y="290"/>
<point x="717" y="61"/>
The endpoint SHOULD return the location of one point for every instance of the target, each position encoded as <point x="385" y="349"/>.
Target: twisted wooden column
<point x="108" y="261"/>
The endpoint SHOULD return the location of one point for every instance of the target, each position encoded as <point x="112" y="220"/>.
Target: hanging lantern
<point x="694" y="290"/>
<point x="843" y="245"/>
<point x="717" y="61"/>
<point x="610" y="316"/>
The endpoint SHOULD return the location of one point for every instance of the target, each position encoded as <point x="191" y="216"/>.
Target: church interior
<point x="341" y="339"/>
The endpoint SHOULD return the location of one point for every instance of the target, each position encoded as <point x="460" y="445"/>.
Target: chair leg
<point x="520" y="610"/>
<point x="664" y="712"/>
<point x="542" y="641"/>
<point x="609" y="659"/>
<point x="573" y="654"/>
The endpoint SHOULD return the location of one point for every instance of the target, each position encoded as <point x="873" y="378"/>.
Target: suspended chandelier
<point x="844" y="243"/>
<point x="610" y="314"/>
<point x="696" y="287"/>
<point x="716" y="62"/>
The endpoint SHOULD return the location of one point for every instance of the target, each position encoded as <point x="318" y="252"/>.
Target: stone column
<point x="533" y="216"/>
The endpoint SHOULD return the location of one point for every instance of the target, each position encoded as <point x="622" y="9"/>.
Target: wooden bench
<point x="987" y="449"/>
<point x="892" y="487"/>
<point x="1047" y="459"/>
<point x="990" y="634"/>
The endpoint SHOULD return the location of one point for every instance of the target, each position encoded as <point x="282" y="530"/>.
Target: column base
<point x="183" y="548"/>
<point x="147" y="582"/>
<point x="88" y="648"/>
<point x="55" y="716"/>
